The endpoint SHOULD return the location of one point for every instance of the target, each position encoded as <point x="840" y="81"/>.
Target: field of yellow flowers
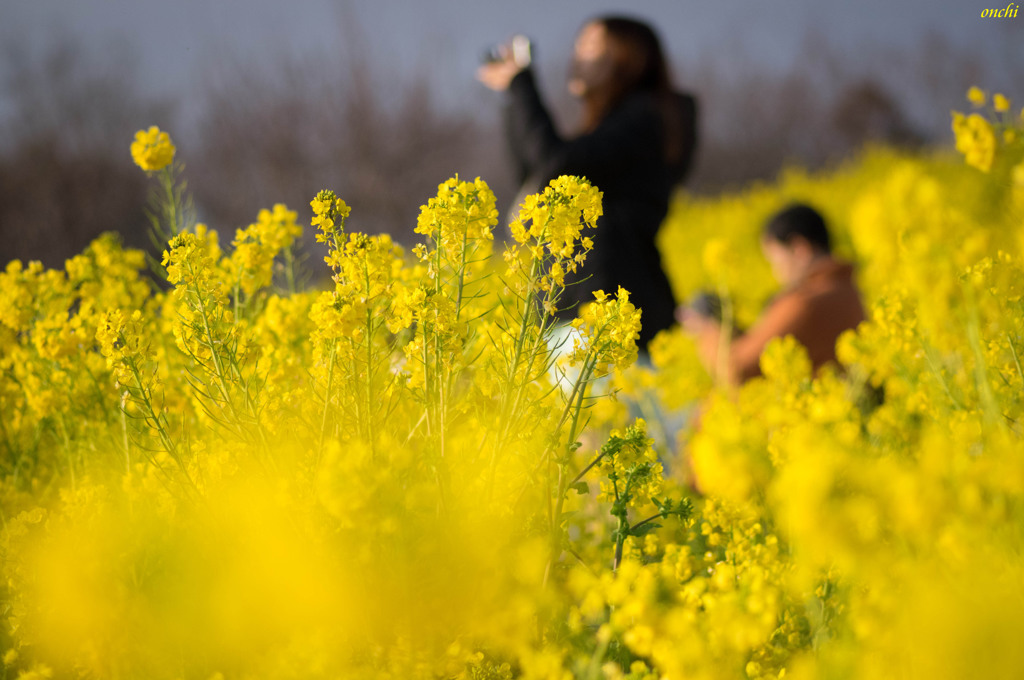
<point x="210" y="472"/>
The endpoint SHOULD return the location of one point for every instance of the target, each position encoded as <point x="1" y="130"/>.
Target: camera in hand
<point x="492" y="55"/>
<point x="707" y="304"/>
<point x="519" y="49"/>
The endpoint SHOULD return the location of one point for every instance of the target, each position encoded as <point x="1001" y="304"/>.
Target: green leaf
<point x="580" y="488"/>
<point x="644" y="529"/>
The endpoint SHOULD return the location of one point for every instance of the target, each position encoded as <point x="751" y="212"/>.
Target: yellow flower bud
<point x="976" y="96"/>
<point x="152" y="149"/>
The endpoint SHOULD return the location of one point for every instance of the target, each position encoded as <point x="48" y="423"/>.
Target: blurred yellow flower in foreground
<point x="975" y="139"/>
<point x="152" y="149"/>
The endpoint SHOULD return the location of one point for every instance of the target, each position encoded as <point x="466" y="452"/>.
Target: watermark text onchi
<point x="1008" y="12"/>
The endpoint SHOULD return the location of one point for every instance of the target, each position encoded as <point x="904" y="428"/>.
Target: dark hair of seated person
<point x="799" y="220"/>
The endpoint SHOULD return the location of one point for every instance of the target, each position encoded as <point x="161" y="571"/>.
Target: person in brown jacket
<point x="819" y="299"/>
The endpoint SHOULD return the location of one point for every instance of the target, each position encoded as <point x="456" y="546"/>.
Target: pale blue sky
<point x="174" y="39"/>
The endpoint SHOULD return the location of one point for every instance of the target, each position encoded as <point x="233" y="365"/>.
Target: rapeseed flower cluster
<point x="152" y="149"/>
<point x="548" y="229"/>
<point x="850" y="470"/>
<point x="460" y="214"/>
<point x="226" y="476"/>
<point x="255" y="248"/>
<point x="979" y="137"/>
<point x="976" y="139"/>
<point x="607" y="329"/>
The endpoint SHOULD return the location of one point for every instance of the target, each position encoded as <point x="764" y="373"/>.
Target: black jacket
<point x="624" y="157"/>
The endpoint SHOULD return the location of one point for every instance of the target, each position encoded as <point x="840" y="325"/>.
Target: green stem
<point x="160" y="424"/>
<point x="594" y="668"/>
<point x="588" y="468"/>
<point x="986" y="396"/>
<point x="563" y="464"/>
<point x="511" y="398"/>
<point x="620" y="541"/>
<point x="442" y="402"/>
<point x="368" y="339"/>
<point x="1016" y="359"/>
<point x="127" y="450"/>
<point x="619" y="512"/>
<point x="171" y="201"/>
<point x="67" y="449"/>
<point x="327" y="401"/>
<point x="219" y="369"/>
<point x="658" y="515"/>
<point x="930" y="359"/>
<point x="461" y="272"/>
<point x="289" y="268"/>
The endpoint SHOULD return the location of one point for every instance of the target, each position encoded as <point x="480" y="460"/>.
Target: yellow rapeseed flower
<point x="152" y="149"/>
<point x="975" y="139"/>
<point x="976" y="96"/>
<point x="1000" y="102"/>
<point x="1017" y="174"/>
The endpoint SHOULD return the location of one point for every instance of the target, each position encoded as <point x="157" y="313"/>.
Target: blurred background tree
<point x="253" y="136"/>
<point x="65" y="175"/>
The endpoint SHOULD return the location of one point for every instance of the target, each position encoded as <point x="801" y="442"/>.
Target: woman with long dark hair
<point x="635" y="143"/>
